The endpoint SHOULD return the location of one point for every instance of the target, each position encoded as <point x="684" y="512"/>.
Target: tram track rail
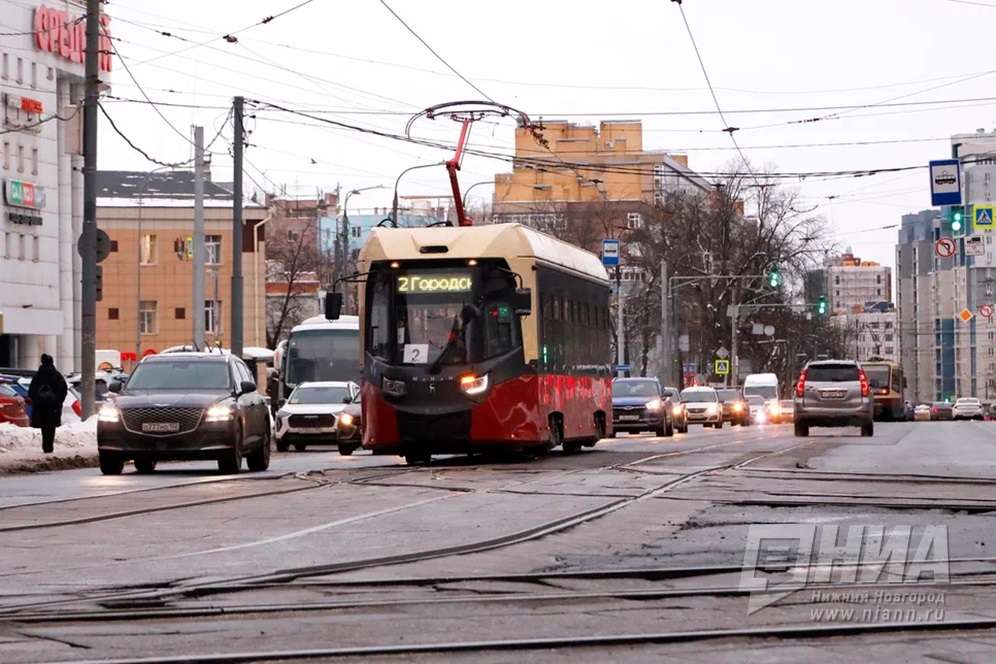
<point x="161" y="596"/>
<point x="573" y="642"/>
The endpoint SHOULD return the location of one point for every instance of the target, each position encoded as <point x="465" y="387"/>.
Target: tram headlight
<point x="473" y="385"/>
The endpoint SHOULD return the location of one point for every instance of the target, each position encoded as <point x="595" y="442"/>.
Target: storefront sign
<point x="64" y="35"/>
<point x="26" y="104"/>
<point x="19" y="193"/>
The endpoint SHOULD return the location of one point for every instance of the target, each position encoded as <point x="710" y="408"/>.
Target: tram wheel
<point x="418" y="458"/>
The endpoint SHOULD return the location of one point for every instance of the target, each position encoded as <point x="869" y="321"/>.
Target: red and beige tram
<point x="480" y="338"/>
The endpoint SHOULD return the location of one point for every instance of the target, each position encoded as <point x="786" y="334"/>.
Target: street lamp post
<point x="466" y="193"/>
<point x="394" y="207"/>
<point x="342" y="237"/>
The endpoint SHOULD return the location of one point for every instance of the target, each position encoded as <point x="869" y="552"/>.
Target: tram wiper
<point x="457" y="334"/>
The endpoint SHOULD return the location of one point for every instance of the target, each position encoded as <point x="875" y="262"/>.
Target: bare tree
<point x="292" y="263"/>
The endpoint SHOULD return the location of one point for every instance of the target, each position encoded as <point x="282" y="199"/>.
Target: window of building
<point x="8" y="245"/>
<point x="212" y="246"/>
<point x="149" y="246"/>
<point x="6" y="154"/>
<point x="836" y="280"/>
<point x="35" y="248"/>
<point x="212" y="316"/>
<point x="20" y="70"/>
<point x="34" y="161"/>
<point x="291" y="236"/>
<point x="34" y="75"/>
<point x="879" y="291"/>
<point x="355" y="232"/>
<point x="180" y="313"/>
<point x="889" y="337"/>
<point x="878" y="278"/>
<point x="51" y="74"/>
<point x="888" y="326"/>
<point x="147" y="316"/>
<point x="634" y="220"/>
<point x="22" y="248"/>
<point x="20" y="158"/>
<point x="5" y="72"/>
<point x="114" y="246"/>
<point x="113" y="313"/>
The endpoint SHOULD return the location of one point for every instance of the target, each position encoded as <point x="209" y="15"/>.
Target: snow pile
<point x="73" y="435"/>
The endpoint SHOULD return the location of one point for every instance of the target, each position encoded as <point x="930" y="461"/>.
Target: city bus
<point x="887" y="386"/>
<point x="318" y="349"/>
<point x="480" y="339"/>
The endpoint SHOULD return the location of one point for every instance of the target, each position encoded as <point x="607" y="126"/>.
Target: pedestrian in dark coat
<point x="47" y="392"/>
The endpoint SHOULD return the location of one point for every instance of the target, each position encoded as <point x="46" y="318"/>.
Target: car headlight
<point x="108" y="413"/>
<point x="738" y="407"/>
<point x="220" y="412"/>
<point x="473" y="385"/>
<point x="653" y="405"/>
<point x="677" y="410"/>
<point x="346" y="420"/>
<point x="775" y="408"/>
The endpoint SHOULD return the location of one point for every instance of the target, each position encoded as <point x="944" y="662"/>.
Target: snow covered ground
<point x="75" y="447"/>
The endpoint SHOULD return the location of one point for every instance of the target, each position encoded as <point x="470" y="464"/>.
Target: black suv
<point x="638" y="404"/>
<point x="185" y="406"/>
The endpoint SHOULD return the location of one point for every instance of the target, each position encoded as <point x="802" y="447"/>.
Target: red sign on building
<point x="63" y="35"/>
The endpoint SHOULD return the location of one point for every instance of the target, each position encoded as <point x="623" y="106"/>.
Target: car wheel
<point x="282" y="445"/>
<point x="111" y="463"/>
<point x="300" y="447"/>
<point x="418" y="458"/>
<point x="230" y="461"/>
<point x="868" y="429"/>
<point x="684" y="428"/>
<point x="801" y="430"/>
<point x="345" y="449"/>
<point x="669" y="428"/>
<point x="718" y="425"/>
<point x="145" y="465"/>
<point x="259" y="459"/>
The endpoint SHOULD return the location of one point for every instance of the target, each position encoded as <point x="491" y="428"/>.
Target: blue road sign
<point x="610" y="253"/>
<point x="945" y="182"/>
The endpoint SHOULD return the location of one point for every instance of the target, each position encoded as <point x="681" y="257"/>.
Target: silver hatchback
<point x="833" y="393"/>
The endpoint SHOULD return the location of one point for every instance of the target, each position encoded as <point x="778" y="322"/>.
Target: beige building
<point x="853" y="283"/>
<point x="148" y="276"/>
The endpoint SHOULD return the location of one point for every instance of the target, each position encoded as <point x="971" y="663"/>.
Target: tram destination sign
<point x="436" y="282"/>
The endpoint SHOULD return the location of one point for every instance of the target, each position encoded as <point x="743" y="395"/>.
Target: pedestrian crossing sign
<point x="983" y="217"/>
<point x="722" y="367"/>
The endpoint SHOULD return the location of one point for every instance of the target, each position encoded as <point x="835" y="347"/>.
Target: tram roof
<point x="489" y="241"/>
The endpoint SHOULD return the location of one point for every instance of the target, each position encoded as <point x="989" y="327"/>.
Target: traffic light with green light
<point x="774" y="277"/>
<point x="822" y="306"/>
<point x="957" y="216"/>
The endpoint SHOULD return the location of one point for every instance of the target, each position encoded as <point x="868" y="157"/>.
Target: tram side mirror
<point x="333" y="305"/>
<point x="523" y="302"/>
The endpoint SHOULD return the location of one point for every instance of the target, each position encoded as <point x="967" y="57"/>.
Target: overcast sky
<point x="550" y="58"/>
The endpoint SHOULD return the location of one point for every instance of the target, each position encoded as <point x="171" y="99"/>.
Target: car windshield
<point x="323" y="354"/>
<point x="833" y="373"/>
<point x="763" y="391"/>
<point x="634" y="388"/>
<point x="195" y="375"/>
<point x="728" y="395"/>
<point x="698" y="395"/>
<point x="323" y="394"/>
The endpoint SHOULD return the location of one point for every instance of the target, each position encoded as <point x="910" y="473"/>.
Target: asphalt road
<point x="632" y="551"/>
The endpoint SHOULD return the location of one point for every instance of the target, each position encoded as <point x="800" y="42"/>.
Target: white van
<point x="766" y="386"/>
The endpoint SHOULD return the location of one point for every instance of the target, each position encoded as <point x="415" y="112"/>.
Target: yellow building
<point x="148" y="276"/>
<point x="584" y="165"/>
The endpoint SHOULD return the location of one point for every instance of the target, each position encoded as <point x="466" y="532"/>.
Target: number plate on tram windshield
<point x="160" y="427"/>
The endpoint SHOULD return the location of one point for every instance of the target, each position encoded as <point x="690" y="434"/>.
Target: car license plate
<point x="160" y="427"/>
<point x="629" y="418"/>
<point x="833" y="394"/>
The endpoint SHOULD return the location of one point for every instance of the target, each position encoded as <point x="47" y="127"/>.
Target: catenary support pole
<point x="620" y="332"/>
<point x="236" y="305"/>
<point x="665" y="336"/>
<point x="88" y="240"/>
<point x="197" y="296"/>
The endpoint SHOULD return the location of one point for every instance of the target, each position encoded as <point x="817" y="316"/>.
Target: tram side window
<point x="379" y="320"/>
<point x="500" y="329"/>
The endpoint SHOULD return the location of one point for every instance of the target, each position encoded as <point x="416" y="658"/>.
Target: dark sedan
<point x="735" y="409"/>
<point x="638" y="405"/>
<point x="185" y="406"/>
<point x="348" y="428"/>
<point x="941" y="411"/>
